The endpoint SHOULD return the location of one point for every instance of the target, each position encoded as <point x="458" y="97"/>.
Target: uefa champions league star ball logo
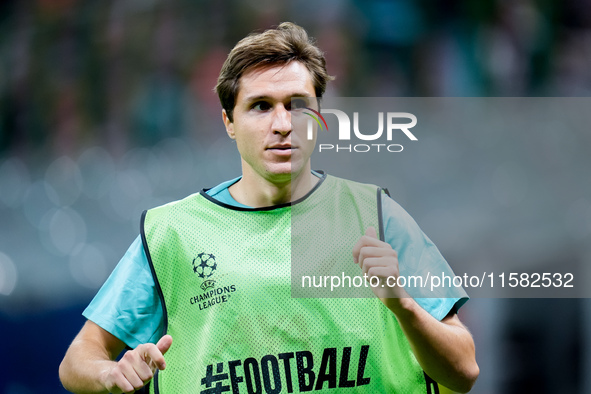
<point x="204" y="265"/>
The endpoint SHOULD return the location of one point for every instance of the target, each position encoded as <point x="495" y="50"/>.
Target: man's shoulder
<point x="219" y="193"/>
<point x="174" y="206"/>
<point x="353" y="186"/>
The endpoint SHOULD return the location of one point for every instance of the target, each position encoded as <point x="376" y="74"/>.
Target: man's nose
<point x="281" y="120"/>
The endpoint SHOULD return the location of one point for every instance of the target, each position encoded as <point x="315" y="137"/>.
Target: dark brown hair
<point x="284" y="44"/>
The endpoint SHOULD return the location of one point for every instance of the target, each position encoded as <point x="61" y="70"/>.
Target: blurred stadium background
<point x="107" y="108"/>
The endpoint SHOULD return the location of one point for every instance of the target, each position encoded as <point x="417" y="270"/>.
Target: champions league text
<point x="213" y="297"/>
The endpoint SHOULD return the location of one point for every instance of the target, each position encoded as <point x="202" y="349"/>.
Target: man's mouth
<point x="283" y="147"/>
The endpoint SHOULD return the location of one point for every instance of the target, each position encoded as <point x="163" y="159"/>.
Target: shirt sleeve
<point x="127" y="305"/>
<point x="418" y="256"/>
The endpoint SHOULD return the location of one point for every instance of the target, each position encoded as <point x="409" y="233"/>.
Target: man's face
<point x="262" y="125"/>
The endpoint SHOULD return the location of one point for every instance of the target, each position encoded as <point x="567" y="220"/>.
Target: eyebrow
<point x="265" y="97"/>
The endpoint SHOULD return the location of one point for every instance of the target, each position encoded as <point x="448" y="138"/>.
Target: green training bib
<point x="224" y="276"/>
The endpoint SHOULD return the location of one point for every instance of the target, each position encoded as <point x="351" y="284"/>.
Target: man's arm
<point x="88" y="365"/>
<point x="444" y="349"/>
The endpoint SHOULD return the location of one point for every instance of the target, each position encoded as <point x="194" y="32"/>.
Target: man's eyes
<point x="293" y="104"/>
<point x="298" y="103"/>
<point x="261" y="106"/>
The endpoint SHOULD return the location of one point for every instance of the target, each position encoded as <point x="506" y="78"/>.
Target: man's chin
<point x="280" y="174"/>
<point x="285" y="171"/>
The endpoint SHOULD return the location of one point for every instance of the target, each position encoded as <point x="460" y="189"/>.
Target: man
<point x="213" y="270"/>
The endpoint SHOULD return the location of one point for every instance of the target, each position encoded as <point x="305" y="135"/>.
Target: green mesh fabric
<point x="225" y="276"/>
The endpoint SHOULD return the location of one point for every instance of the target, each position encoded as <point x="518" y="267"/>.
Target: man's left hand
<point x="377" y="259"/>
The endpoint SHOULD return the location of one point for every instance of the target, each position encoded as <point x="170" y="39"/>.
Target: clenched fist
<point x="377" y="259"/>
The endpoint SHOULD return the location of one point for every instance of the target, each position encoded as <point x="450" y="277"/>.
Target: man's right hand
<point x="137" y="367"/>
<point x="89" y="366"/>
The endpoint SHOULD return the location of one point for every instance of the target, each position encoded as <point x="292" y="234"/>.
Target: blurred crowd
<point x="126" y="73"/>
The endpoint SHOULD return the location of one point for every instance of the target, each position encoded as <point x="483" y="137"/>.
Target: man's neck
<point x="255" y="191"/>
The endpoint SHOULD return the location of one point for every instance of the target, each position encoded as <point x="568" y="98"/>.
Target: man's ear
<point x="229" y="125"/>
